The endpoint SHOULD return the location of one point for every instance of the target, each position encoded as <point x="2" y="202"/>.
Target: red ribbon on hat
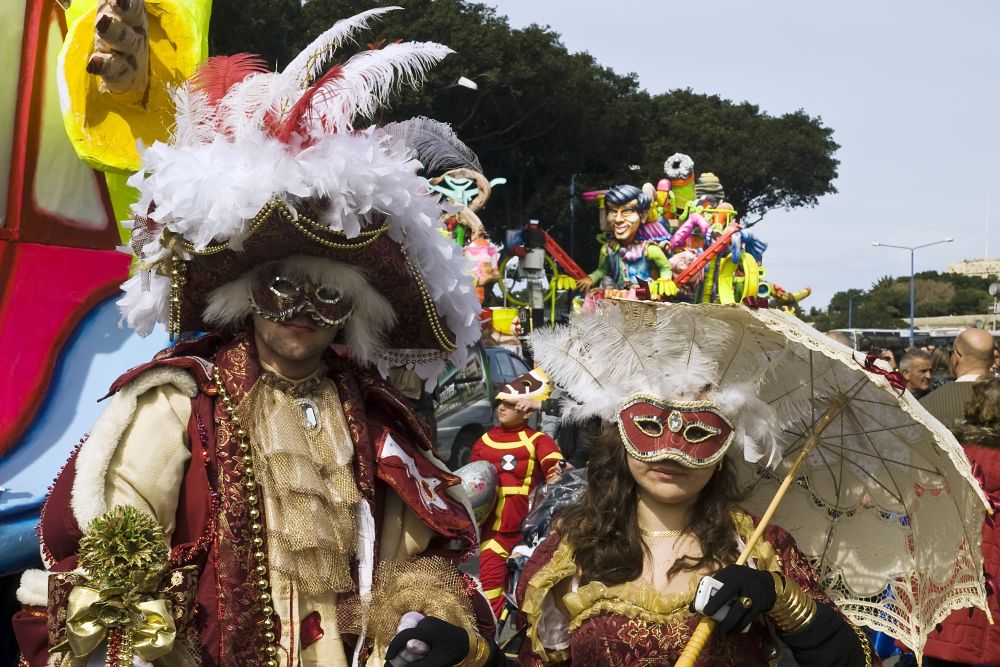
<point x="895" y="378"/>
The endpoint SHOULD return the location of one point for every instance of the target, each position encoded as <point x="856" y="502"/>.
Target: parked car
<point x="464" y="406"/>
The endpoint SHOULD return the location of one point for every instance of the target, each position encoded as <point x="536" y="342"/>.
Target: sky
<point x="910" y="88"/>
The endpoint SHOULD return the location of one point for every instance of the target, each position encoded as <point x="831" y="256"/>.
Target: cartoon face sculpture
<point x="624" y="220"/>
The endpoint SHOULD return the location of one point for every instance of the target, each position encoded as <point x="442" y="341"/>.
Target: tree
<point x="764" y="162"/>
<point x="887" y="304"/>
<point x="543" y="115"/>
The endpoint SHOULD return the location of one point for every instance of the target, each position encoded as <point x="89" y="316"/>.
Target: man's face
<point x="297" y="340"/>
<point x="918" y="375"/>
<point x="624" y="220"/>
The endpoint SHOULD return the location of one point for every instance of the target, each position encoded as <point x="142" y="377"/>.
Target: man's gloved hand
<point x="449" y="644"/>
<point x="750" y="592"/>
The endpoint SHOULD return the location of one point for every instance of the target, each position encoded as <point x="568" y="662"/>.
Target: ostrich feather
<point x="435" y="144"/>
<point x="297" y="120"/>
<point x="217" y="75"/>
<point x="247" y="105"/>
<point x="194" y="118"/>
<point x="565" y="358"/>
<point x="311" y="62"/>
<point x="370" y="76"/>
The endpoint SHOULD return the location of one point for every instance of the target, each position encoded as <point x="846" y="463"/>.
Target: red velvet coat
<point x="965" y="636"/>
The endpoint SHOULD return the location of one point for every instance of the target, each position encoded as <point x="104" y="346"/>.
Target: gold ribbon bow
<point x="92" y="614"/>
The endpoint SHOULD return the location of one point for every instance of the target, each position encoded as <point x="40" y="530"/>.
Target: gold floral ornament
<point x="125" y="555"/>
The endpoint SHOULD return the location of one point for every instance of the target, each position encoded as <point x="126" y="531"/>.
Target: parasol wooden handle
<point x="696" y="643"/>
<point x="704" y="629"/>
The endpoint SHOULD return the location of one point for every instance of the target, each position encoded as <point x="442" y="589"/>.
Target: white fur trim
<point x="366" y="568"/>
<point x="365" y="331"/>
<point x="34" y="588"/>
<point x="87" y="500"/>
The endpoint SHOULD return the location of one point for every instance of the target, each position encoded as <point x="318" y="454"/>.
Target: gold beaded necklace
<point x="659" y="533"/>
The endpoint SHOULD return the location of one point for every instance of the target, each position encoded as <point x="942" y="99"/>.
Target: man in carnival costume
<point x="634" y="253"/>
<point x="259" y="495"/>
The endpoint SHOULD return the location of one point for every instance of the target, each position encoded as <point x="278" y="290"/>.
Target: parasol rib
<point x="704" y="630"/>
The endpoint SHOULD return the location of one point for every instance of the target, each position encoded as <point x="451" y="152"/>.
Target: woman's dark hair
<point x="941" y="362"/>
<point x="981" y="425"/>
<point x="604" y="531"/>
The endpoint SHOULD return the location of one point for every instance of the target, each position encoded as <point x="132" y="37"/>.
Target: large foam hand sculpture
<point x="116" y="64"/>
<point x="121" y="48"/>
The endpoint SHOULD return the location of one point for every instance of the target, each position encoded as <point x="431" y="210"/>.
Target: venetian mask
<point x="692" y="433"/>
<point x="624" y="220"/>
<point x="279" y="297"/>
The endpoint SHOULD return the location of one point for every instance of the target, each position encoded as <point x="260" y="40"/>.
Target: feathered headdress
<point x="673" y="352"/>
<point x="263" y="165"/>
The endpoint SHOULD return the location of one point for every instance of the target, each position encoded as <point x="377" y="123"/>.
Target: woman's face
<point x="668" y="482"/>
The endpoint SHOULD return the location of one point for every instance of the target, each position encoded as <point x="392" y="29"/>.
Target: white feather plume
<point x="435" y="144"/>
<point x="314" y="59"/>
<point x="195" y="117"/>
<point x="369" y="77"/>
<point x="243" y="109"/>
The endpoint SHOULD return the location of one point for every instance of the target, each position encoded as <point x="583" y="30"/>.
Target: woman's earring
<point x="718" y="468"/>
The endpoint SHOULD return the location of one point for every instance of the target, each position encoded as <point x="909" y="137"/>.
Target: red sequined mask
<point x="692" y="433"/>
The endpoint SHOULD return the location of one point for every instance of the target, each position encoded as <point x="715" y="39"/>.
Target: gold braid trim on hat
<point x="431" y="586"/>
<point x="301" y="222"/>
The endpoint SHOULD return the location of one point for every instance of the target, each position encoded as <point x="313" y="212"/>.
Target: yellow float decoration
<point x="728" y="278"/>
<point x="104" y="127"/>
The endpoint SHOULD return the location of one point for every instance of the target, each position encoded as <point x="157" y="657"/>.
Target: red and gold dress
<point x="633" y="623"/>
<point x="524" y="458"/>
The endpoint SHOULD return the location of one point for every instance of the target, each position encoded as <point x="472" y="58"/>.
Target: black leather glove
<point x="750" y="593"/>
<point x="449" y="644"/>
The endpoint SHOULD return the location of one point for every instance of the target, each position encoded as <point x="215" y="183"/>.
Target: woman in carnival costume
<point x="252" y="497"/>
<point x="617" y="581"/>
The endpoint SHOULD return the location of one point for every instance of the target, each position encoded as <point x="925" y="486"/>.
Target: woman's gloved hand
<point x="448" y="644"/>
<point x="748" y="592"/>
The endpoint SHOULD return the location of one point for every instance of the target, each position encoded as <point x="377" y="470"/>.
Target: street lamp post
<point x="912" y="250"/>
<point x="572" y="215"/>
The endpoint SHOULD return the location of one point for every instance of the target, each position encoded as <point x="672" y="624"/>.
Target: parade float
<point x="85" y="86"/>
<point x="679" y="240"/>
